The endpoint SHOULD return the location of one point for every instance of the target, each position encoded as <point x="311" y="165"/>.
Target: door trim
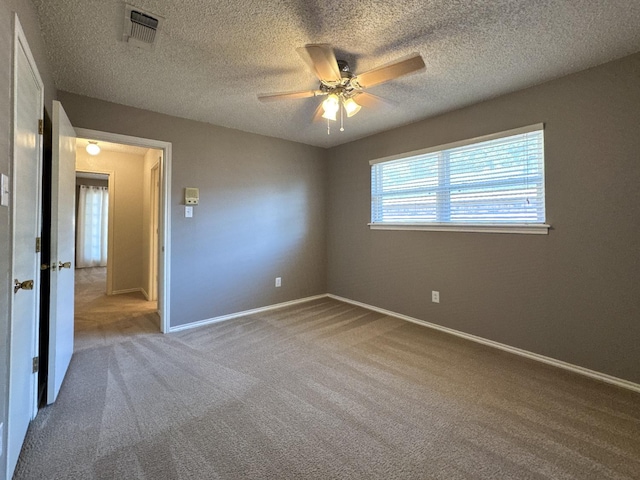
<point x="164" y="264"/>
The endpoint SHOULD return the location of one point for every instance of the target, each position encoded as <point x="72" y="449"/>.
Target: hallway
<point x="102" y="320"/>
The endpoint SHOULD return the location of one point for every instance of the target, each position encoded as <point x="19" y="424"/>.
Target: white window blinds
<point x="498" y="179"/>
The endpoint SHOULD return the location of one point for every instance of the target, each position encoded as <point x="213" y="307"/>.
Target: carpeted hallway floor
<point x="321" y="390"/>
<point x="101" y="319"/>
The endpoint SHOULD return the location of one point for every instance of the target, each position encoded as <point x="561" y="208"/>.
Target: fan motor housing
<point x="345" y="70"/>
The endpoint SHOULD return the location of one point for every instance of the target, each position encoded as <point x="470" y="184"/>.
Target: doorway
<point x="153" y="193"/>
<point x="117" y="192"/>
<point x="92" y="228"/>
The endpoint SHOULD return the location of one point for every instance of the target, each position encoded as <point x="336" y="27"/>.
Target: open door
<point x="155" y="216"/>
<point x="63" y="175"/>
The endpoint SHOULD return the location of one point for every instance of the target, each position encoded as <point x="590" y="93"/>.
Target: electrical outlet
<point x="435" y="296"/>
<point x="278" y="281"/>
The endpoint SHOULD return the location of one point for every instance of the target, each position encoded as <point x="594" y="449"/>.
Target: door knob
<point x="64" y="265"/>
<point x="26" y="285"/>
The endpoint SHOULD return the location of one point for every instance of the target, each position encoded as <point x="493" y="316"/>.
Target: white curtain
<point x="93" y="216"/>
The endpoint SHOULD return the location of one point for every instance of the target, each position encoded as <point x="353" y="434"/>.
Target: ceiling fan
<point x="341" y="86"/>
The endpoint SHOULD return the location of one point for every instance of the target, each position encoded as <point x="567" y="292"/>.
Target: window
<point x="93" y="220"/>
<point x="490" y="184"/>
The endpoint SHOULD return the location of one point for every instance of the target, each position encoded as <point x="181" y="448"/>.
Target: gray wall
<point x="29" y="21"/>
<point x="261" y="211"/>
<point x="573" y="295"/>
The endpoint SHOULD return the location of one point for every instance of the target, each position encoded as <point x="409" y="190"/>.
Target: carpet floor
<point x="320" y="390"/>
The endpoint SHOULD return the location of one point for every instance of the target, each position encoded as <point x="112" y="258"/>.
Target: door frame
<point x="164" y="234"/>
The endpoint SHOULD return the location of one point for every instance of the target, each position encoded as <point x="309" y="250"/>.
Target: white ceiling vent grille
<point x="140" y="27"/>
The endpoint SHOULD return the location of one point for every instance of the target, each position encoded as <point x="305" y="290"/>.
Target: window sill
<point x="524" y="228"/>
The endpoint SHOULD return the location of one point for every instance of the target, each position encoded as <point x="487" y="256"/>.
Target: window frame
<point x="517" y="228"/>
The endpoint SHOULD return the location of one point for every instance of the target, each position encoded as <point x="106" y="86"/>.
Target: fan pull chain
<point x="341" y="118"/>
<point x="328" y="127"/>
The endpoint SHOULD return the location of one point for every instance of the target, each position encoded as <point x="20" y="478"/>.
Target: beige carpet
<point x="322" y="390"/>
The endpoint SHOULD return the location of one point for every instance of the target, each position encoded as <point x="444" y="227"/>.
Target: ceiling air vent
<point x="140" y="27"/>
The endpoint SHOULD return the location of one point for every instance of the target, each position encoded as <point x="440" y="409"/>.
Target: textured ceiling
<point x="213" y="57"/>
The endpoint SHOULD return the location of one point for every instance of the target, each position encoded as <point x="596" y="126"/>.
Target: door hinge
<point x="38" y="244"/>
<point x="36" y="364"/>
<point x="40" y="127"/>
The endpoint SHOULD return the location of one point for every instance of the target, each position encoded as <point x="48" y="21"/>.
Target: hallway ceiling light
<point x="93" y="148"/>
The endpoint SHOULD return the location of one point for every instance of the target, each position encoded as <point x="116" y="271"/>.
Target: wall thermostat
<point x="191" y="196"/>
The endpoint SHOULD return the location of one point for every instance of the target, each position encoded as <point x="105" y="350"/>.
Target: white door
<point x="63" y="178"/>
<point x="155" y="213"/>
<point x="25" y="258"/>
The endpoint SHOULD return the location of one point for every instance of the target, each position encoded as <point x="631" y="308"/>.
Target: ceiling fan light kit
<point x="331" y="106"/>
<point x="351" y="107"/>
<point x="341" y="86"/>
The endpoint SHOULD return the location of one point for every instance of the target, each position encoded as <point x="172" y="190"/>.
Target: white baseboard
<point x="603" y="377"/>
<point x="230" y="316"/>
<point x="146" y="295"/>
<point x="126" y="290"/>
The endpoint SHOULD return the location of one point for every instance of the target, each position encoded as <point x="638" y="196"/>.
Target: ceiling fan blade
<point x="393" y="70"/>
<point x="317" y="116"/>
<point x="368" y="100"/>
<point x="321" y="60"/>
<point x="288" y="95"/>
